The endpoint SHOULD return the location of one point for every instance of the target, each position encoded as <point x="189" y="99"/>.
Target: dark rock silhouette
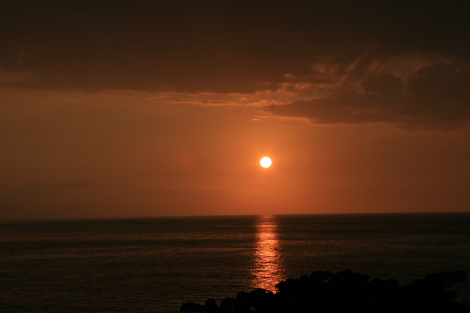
<point x="346" y="292"/>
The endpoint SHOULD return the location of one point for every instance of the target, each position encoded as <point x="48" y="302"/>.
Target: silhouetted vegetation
<point x="346" y="292"/>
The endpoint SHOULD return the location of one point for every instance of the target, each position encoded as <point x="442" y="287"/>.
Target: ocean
<point x="156" y="264"/>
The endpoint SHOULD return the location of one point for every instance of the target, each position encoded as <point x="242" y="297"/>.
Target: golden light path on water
<point x="268" y="266"/>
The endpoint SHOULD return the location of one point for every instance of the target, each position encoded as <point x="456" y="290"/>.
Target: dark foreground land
<point x="326" y="292"/>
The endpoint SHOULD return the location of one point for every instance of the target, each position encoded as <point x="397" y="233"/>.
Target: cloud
<point x="435" y="96"/>
<point x="219" y="46"/>
<point x="330" y="61"/>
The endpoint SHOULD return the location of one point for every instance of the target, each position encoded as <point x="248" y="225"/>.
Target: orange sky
<point x="119" y="109"/>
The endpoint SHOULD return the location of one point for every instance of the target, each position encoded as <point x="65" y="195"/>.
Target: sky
<point x="164" y="108"/>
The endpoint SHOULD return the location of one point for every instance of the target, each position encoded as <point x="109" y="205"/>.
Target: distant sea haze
<point x="154" y="265"/>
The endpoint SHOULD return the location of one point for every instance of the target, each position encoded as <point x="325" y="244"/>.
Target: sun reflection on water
<point x="268" y="268"/>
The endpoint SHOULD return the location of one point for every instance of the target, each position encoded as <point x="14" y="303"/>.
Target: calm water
<point x="153" y="265"/>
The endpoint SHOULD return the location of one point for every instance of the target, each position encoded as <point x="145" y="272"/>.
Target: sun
<point x="266" y="162"/>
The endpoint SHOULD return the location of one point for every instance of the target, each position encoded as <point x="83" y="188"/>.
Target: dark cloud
<point x="225" y="46"/>
<point x="348" y="51"/>
<point x="437" y="96"/>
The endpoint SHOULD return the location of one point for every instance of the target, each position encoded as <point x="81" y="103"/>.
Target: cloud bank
<point x="436" y="96"/>
<point x="357" y="62"/>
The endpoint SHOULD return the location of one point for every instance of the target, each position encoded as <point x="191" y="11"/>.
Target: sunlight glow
<point x="266" y="162"/>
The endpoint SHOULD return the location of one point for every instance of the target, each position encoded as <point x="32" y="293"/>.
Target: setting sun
<point x="266" y="162"/>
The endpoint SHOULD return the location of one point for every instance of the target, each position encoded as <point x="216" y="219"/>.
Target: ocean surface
<point x="156" y="264"/>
